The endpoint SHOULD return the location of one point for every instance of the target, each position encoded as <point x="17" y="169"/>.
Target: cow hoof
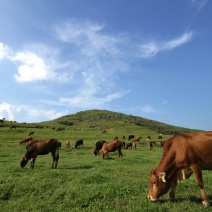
<point x="205" y="203"/>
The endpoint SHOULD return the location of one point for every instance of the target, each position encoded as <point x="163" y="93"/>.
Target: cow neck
<point x="167" y="164"/>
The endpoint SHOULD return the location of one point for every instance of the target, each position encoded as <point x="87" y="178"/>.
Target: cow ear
<point x="162" y="176"/>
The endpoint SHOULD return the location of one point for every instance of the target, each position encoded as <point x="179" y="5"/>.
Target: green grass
<point x="82" y="181"/>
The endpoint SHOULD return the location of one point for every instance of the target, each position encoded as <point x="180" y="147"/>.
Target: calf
<point x="79" y="143"/>
<point x="41" y="147"/>
<point x="111" y="146"/>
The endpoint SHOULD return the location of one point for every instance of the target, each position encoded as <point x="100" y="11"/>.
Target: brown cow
<point x="111" y="146"/>
<point x="137" y="138"/>
<point x="68" y="145"/>
<point x="41" y="147"/>
<point x="183" y="155"/>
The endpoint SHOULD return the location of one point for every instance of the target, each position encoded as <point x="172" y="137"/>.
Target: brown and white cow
<point x="183" y="155"/>
<point x="137" y="138"/>
<point x="111" y="146"/>
<point x="41" y="147"/>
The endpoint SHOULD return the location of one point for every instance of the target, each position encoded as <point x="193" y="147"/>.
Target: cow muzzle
<point x="151" y="198"/>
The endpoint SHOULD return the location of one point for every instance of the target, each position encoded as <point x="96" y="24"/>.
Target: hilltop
<point x="103" y="119"/>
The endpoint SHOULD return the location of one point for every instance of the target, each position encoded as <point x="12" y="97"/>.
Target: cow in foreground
<point x="41" y="147"/>
<point x="183" y="155"/>
<point x="111" y="146"/>
<point x="98" y="147"/>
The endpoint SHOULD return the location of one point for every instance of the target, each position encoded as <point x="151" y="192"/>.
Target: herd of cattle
<point x="182" y="156"/>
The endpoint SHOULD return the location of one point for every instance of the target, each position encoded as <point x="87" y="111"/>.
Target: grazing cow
<point x="128" y="145"/>
<point x="159" y="143"/>
<point x="111" y="146"/>
<point x="31" y="133"/>
<point x="41" y="147"/>
<point x="137" y="138"/>
<point x="123" y="138"/>
<point x="183" y="155"/>
<point x="98" y="147"/>
<point x="68" y="145"/>
<point x="130" y="137"/>
<point x="160" y="137"/>
<point x="131" y="145"/>
<point x="79" y="143"/>
<point x="26" y="141"/>
<point x="12" y="127"/>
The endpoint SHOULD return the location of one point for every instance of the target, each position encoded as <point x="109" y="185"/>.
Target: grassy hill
<point x="102" y="119"/>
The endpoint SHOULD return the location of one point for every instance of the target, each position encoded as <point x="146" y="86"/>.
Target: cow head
<point x="23" y="161"/>
<point x="158" y="185"/>
<point x="95" y="151"/>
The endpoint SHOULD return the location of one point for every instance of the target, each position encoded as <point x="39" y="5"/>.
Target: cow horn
<point x="163" y="178"/>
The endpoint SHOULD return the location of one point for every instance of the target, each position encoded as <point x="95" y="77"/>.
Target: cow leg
<point x="120" y="153"/>
<point x="199" y="180"/>
<point x="172" y="192"/>
<point x="32" y="163"/>
<point x="55" y="156"/>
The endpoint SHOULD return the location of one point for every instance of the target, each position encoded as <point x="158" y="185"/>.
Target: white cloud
<point x="152" y="48"/>
<point x="25" y="113"/>
<point x="32" y="67"/>
<point x="4" y="51"/>
<point x="148" y="109"/>
<point x="88" y="37"/>
<point x="90" y="101"/>
<point x="199" y="4"/>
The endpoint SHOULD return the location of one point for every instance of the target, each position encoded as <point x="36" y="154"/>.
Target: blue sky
<point x="141" y="57"/>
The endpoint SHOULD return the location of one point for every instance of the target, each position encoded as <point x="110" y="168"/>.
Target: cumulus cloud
<point x="32" y="67"/>
<point x="152" y="48"/>
<point x="24" y="113"/>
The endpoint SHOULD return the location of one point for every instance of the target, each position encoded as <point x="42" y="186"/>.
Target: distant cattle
<point x="41" y="147"/>
<point x="159" y="143"/>
<point x="123" y="138"/>
<point x="130" y="145"/>
<point x="59" y="128"/>
<point x="111" y="146"/>
<point x="130" y="137"/>
<point x="183" y="155"/>
<point x="12" y="127"/>
<point x="98" y="147"/>
<point x="79" y="143"/>
<point x="68" y="145"/>
<point x="160" y="137"/>
<point x="137" y="138"/>
<point x="31" y="133"/>
<point x="25" y="140"/>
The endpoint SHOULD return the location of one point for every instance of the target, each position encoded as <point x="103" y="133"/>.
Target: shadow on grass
<point x="192" y="199"/>
<point x="77" y="167"/>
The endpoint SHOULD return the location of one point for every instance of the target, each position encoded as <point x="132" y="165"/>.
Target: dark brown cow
<point x="31" y="133"/>
<point x="41" y="147"/>
<point x="111" y="146"/>
<point x="79" y="143"/>
<point x="183" y="155"/>
<point x="98" y="147"/>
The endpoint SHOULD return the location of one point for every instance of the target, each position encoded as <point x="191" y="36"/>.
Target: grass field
<point x="84" y="182"/>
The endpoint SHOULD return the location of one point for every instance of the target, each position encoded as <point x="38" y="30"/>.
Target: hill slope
<point x="103" y="119"/>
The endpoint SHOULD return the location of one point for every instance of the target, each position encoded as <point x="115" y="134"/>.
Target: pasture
<point x="84" y="182"/>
